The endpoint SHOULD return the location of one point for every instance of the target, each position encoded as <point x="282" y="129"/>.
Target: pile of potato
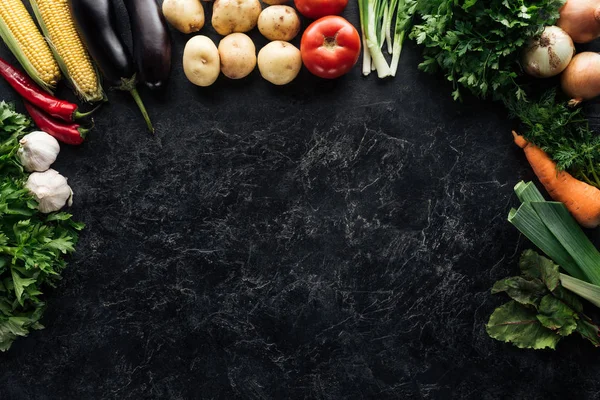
<point x="279" y="62"/>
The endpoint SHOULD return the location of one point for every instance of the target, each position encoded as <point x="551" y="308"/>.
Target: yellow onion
<point x="581" y="20"/>
<point x="581" y="79"/>
<point x="548" y="54"/>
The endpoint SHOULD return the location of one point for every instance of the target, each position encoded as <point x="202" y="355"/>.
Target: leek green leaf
<point x="528" y="192"/>
<point x="527" y="220"/>
<point x="583" y="289"/>
<point x="565" y="229"/>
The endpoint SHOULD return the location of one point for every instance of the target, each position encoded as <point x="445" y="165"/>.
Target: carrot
<point x="582" y="200"/>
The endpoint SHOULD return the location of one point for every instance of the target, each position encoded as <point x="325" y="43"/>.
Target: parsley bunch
<point x="477" y="43"/>
<point x="32" y="245"/>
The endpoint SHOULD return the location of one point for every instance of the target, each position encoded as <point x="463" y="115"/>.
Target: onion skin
<point x="581" y="79"/>
<point x="548" y="54"/>
<point x="581" y="20"/>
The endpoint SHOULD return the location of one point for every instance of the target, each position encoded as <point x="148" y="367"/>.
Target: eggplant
<point x="96" y="22"/>
<point x="151" y="42"/>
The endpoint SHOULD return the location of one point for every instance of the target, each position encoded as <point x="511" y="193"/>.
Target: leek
<point x="550" y="226"/>
<point x="583" y="289"/>
<point x="528" y="222"/>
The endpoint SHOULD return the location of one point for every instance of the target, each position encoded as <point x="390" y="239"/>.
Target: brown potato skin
<point x="187" y="16"/>
<point x="279" y="23"/>
<point x="238" y="55"/>
<point x="235" y="16"/>
<point x="279" y="62"/>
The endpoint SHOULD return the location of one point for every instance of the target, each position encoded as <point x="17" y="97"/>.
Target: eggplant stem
<point x="140" y="104"/>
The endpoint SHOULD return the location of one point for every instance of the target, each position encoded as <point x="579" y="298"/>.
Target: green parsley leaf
<point x="477" y="44"/>
<point x="32" y="245"/>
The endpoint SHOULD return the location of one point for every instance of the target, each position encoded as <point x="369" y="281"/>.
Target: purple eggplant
<point x="151" y="42"/>
<point x="96" y="22"/>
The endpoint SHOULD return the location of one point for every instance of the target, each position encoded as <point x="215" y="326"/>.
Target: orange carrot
<point x="582" y="200"/>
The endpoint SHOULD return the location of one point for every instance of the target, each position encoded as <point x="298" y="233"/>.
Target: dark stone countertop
<point x="325" y="240"/>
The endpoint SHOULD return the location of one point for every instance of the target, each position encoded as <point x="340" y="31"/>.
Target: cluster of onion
<point x="553" y="52"/>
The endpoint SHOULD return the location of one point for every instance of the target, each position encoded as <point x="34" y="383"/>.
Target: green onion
<point x="376" y="21"/>
<point x="405" y="11"/>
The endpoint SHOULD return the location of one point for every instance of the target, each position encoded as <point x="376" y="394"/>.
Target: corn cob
<point x="21" y="35"/>
<point x="54" y="17"/>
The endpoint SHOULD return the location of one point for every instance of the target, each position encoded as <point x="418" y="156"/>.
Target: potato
<point x="275" y="2"/>
<point x="279" y="23"/>
<point x="186" y="16"/>
<point x="238" y="55"/>
<point x="279" y="62"/>
<point x="201" y="62"/>
<point x="235" y="15"/>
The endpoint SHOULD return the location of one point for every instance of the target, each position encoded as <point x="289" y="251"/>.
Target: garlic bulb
<point x="50" y="189"/>
<point x="548" y="54"/>
<point x="38" y="151"/>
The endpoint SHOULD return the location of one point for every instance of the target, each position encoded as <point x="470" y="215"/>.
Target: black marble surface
<point x="326" y="240"/>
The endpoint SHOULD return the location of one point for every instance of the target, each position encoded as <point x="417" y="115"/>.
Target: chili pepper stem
<point x="80" y="115"/>
<point x="84" y="131"/>
<point x="140" y="104"/>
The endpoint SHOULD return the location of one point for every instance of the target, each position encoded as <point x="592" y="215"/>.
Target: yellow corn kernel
<point x="57" y="23"/>
<point x="29" y="41"/>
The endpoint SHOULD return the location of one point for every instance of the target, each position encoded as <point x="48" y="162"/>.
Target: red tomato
<point x="330" y="47"/>
<point x="314" y="9"/>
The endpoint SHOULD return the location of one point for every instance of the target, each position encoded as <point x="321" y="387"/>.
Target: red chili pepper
<point x="32" y="93"/>
<point x="63" y="132"/>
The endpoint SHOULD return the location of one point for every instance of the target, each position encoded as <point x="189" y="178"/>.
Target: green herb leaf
<point x="478" y="44"/>
<point x="526" y="292"/>
<point x="519" y="325"/>
<point x="32" y="246"/>
<point x="557" y="316"/>
<point x="20" y="284"/>
<point x="589" y="331"/>
<point x="535" y="266"/>
<point x="542" y="310"/>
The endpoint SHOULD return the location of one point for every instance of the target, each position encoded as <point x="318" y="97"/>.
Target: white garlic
<point x="38" y="151"/>
<point x="50" y="189"/>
